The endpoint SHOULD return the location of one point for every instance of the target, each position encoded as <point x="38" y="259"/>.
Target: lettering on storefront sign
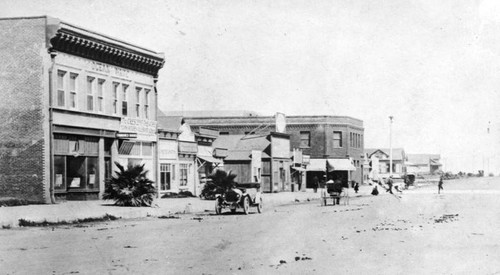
<point x="126" y="135"/>
<point x="108" y="69"/>
<point x="139" y="126"/>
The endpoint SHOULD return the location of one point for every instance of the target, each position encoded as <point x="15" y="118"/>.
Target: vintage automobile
<point x="243" y="195"/>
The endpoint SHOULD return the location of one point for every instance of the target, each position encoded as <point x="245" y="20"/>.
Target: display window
<point x="76" y="163"/>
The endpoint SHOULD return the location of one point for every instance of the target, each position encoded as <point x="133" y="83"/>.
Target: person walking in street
<point x="440" y="185"/>
<point x="315" y="184"/>
<point x="356" y="187"/>
<point x="390" y="182"/>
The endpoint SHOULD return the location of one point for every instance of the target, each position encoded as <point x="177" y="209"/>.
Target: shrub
<point x="130" y="187"/>
<point x="220" y="180"/>
<point x="10" y="201"/>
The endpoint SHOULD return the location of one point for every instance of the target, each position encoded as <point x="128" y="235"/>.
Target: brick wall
<point x="21" y="119"/>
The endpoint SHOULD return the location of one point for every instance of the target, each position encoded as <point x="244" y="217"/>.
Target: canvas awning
<point x="210" y="159"/>
<point x="340" y="165"/>
<point x="316" y="165"/>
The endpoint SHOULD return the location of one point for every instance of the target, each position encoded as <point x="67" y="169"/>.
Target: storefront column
<point x="102" y="168"/>
<point x="114" y="155"/>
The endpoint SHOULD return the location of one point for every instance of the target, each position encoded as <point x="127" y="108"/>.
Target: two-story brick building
<point x="73" y="102"/>
<point x="335" y="138"/>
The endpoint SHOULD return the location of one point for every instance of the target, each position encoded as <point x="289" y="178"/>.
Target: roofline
<point x="105" y="38"/>
<point x="272" y="117"/>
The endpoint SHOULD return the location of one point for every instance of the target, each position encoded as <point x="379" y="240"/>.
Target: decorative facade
<point x="76" y="102"/>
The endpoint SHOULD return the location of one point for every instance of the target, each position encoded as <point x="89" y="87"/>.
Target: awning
<point x="300" y="169"/>
<point x="316" y="165"/>
<point x="340" y="165"/>
<point x="210" y="159"/>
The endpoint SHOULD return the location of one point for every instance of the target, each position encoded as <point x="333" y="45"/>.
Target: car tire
<point x="246" y="205"/>
<point x="260" y="206"/>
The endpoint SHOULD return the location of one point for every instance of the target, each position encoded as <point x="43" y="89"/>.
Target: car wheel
<point x="246" y="205"/>
<point x="260" y="206"/>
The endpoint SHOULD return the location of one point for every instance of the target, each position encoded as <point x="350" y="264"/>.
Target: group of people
<point x="390" y="185"/>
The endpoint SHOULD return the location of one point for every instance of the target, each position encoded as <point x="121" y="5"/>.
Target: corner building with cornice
<point x="74" y="102"/>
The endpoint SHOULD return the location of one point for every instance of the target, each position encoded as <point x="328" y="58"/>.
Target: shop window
<point x="92" y="173"/>
<point x="337" y="139"/>
<point x="305" y="139"/>
<point x="107" y="168"/>
<point x="183" y="170"/>
<point x="124" y="100"/>
<point x="90" y="93"/>
<point x="100" y="95"/>
<point x="60" y="173"/>
<point x="165" y="176"/>
<point x="76" y="172"/>
<point x="61" y="94"/>
<point x="73" y="90"/>
<point x="136" y="150"/>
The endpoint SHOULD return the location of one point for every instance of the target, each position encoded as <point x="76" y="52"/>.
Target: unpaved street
<point x="422" y="232"/>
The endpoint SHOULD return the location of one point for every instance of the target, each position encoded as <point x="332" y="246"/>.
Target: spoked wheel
<point x="246" y="205"/>
<point x="218" y="207"/>
<point x="260" y="206"/>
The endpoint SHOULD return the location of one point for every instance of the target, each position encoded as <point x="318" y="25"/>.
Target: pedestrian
<point x="375" y="190"/>
<point x="356" y="187"/>
<point x="440" y="185"/>
<point x="315" y="184"/>
<point x="390" y="182"/>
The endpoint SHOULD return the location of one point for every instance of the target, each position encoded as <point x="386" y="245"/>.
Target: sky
<point x="432" y="65"/>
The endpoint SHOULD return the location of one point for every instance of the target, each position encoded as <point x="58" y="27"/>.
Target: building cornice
<point x="77" y="41"/>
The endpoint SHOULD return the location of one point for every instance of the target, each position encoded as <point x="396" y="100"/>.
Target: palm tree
<point x="130" y="187"/>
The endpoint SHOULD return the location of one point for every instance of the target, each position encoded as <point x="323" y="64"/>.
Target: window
<point x="146" y="103"/>
<point x="337" y="139"/>
<point x="124" y="100"/>
<point x="183" y="174"/>
<point x="72" y="90"/>
<point x="224" y="133"/>
<point x="138" y="102"/>
<point x="165" y="176"/>
<point x="305" y="139"/>
<point x="61" y="95"/>
<point x="100" y="95"/>
<point x="90" y="93"/>
<point x="115" y="98"/>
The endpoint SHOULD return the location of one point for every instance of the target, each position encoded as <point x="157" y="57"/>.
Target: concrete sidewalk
<point x="73" y="210"/>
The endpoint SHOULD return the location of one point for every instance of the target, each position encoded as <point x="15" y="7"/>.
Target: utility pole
<point x="390" y="146"/>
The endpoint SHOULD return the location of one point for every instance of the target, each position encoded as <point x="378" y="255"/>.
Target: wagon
<point x="241" y="196"/>
<point x="334" y="191"/>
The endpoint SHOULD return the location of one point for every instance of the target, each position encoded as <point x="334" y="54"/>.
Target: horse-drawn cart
<point x="334" y="191"/>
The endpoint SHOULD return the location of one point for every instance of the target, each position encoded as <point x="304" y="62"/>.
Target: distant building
<point x="259" y="158"/>
<point x="379" y="160"/>
<point x="73" y="102"/>
<point x="320" y="138"/>
<point x="424" y="164"/>
<point x="186" y="158"/>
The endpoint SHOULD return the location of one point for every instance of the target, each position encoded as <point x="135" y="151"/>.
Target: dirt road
<point x="456" y="232"/>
